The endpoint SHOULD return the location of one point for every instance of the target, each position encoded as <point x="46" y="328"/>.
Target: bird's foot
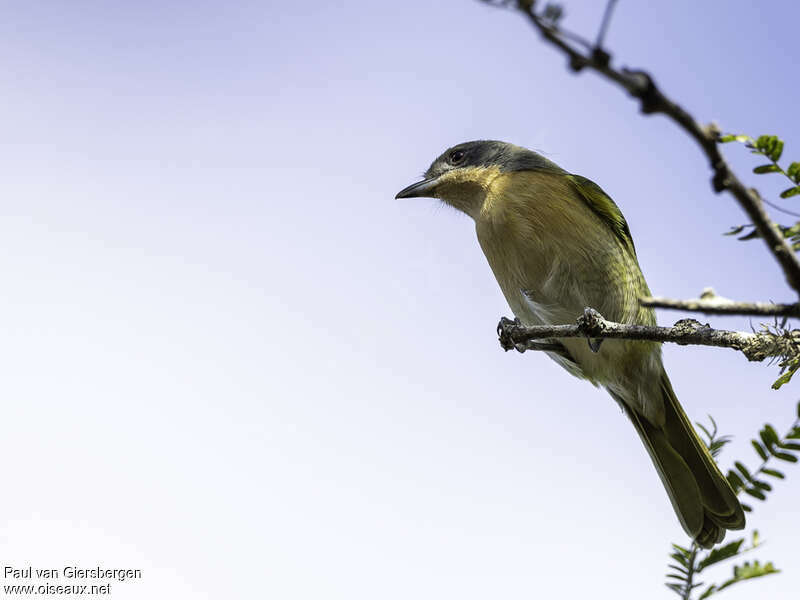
<point x="506" y="329"/>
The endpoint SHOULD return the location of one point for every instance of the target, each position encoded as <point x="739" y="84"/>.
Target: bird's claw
<point x="505" y="332"/>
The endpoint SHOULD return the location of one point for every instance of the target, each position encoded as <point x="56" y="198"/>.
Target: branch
<point x="592" y="325"/>
<point x="711" y="304"/>
<point x="640" y="85"/>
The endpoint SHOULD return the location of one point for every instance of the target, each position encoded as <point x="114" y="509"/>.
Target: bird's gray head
<point x="465" y="169"/>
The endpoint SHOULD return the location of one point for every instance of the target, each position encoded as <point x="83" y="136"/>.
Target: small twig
<point x="779" y="208"/>
<point x="711" y="304"/>
<point x="640" y="85"/>
<point x="591" y="324"/>
<point x="686" y="593"/>
<point x="606" y="22"/>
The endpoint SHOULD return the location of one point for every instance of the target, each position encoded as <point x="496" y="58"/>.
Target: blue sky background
<point x="232" y="360"/>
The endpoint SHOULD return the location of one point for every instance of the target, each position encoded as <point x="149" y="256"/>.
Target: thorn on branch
<point x="646" y="91"/>
<point x="720" y="181"/>
<point x="577" y="63"/>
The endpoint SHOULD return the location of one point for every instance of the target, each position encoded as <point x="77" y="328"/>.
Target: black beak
<point x="421" y="189"/>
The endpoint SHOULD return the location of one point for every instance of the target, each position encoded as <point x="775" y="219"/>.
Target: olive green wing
<point x="604" y="207"/>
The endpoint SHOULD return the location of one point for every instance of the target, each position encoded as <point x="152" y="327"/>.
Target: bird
<point x="557" y="243"/>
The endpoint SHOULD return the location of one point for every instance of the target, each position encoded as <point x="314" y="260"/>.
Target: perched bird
<point x="556" y="244"/>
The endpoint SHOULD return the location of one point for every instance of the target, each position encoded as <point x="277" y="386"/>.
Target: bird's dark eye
<point x="456" y="156"/>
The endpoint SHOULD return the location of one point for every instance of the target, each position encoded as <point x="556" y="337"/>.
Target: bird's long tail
<point x="701" y="496"/>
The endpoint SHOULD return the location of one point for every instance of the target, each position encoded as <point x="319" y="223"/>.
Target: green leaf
<point x="746" y="507"/>
<point x="675" y="587"/>
<point x="753" y="234"/>
<point x="736" y="230"/>
<point x="773" y="473"/>
<point x="735" y="480"/>
<point x="792" y="231"/>
<point x="749" y="571"/>
<point x="713" y="424"/>
<point x="792" y="191"/>
<point x="720" y="553"/>
<point x="789" y="446"/>
<point x="769" y="145"/>
<point x="762" y="485"/>
<point x="759" y="449"/>
<point x="706" y="431"/>
<point x="762" y="142"/>
<point x="679" y="560"/>
<point x="717" y="446"/>
<point x="768" y="441"/>
<point x="766" y="169"/>
<point x="772" y="435"/>
<point x="787" y="376"/>
<point x="776" y="151"/>
<point x="743" y="470"/>
<point x="755" y="493"/>
<point x="785" y="456"/>
<point x="783" y="379"/>
<point x="679" y="568"/>
<point x="681" y="555"/>
<point x="793" y="171"/>
<point x="735" y="138"/>
<point x="709" y="590"/>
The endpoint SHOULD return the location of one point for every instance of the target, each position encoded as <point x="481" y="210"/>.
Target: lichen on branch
<point x="756" y="346"/>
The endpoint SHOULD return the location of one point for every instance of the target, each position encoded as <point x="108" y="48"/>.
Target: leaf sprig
<point x="688" y="563"/>
<point x="768" y="446"/>
<point x="771" y="147"/>
<point x="791" y="233"/>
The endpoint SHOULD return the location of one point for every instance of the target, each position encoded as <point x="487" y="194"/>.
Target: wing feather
<point x="604" y="207"/>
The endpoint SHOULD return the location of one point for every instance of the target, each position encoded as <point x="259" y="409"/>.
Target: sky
<point x="232" y="360"/>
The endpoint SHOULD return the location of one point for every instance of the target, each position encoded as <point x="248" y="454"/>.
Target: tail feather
<point x="701" y="496"/>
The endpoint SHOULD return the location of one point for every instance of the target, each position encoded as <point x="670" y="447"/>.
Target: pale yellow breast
<point x="552" y="257"/>
<point x="538" y="236"/>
